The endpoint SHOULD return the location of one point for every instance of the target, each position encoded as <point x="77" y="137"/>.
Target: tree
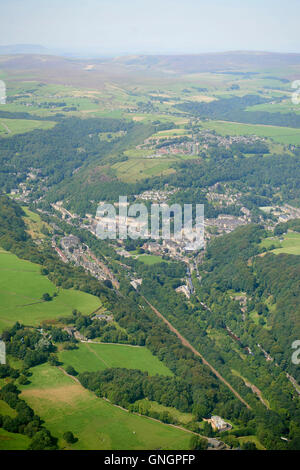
<point x="43" y="440"/>
<point x="69" y="437"/>
<point x="207" y="429"/>
<point x="71" y="371"/>
<point x="200" y="410"/>
<point x="248" y="446"/>
<point x="108" y="283"/>
<point x="198" y="443"/>
<point x="53" y="360"/>
<point x="46" y="297"/>
<point x="23" y="380"/>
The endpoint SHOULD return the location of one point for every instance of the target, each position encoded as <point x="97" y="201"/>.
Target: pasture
<point x="9" y="127"/>
<point x="171" y="133"/>
<point x="151" y="259"/>
<point x="21" y="290"/>
<point x="12" y="441"/>
<point x="6" y="410"/>
<point x="282" y="135"/>
<point x="179" y="416"/>
<point x="65" y="405"/>
<point x="92" y="357"/>
<point x="290" y="243"/>
<point x="34" y="224"/>
<point x="285" y="106"/>
<point x="253" y="439"/>
<point x="139" y="168"/>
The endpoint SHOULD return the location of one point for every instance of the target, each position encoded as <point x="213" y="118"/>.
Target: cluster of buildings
<point x="173" y="148"/>
<point x="71" y="249"/>
<point x="157" y="195"/>
<point x="207" y="137"/>
<point x="284" y="213"/>
<point x="174" y="248"/>
<point x="226" y="223"/>
<point x="196" y="139"/>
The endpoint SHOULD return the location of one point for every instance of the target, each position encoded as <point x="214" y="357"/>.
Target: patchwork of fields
<point x="59" y="399"/>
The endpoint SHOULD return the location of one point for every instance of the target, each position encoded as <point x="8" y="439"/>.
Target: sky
<point x="117" y="27"/>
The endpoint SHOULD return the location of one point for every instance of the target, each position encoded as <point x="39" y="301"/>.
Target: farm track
<point x="6" y="128"/>
<point x="90" y="341"/>
<point x="186" y="343"/>
<point x="69" y="375"/>
<point x="138" y="414"/>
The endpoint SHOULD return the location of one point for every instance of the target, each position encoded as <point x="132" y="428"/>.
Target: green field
<point x="182" y="418"/>
<point x="151" y="259"/>
<point x="37" y="95"/>
<point x="144" y="117"/>
<point x="285" y="106"/>
<point x="12" y="441"/>
<point x="252" y="439"/>
<point x="6" y="410"/>
<point x="65" y="405"/>
<point x="139" y="168"/>
<point x="290" y="243"/>
<point x="21" y="290"/>
<point x="91" y="357"/>
<point x="10" y="127"/>
<point x="171" y="133"/>
<point x="34" y="224"/>
<point x="283" y="135"/>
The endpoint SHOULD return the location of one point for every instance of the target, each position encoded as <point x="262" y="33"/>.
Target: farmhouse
<point x="219" y="424"/>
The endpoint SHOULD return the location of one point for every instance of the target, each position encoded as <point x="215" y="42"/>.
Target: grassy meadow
<point x="34" y="224"/>
<point x="92" y="357"/>
<point x="151" y="259"/>
<point x="10" y="127"/>
<point x="22" y="287"/>
<point x="290" y="243"/>
<point x="65" y="405"/>
<point x="12" y="441"/>
<point x="139" y="168"/>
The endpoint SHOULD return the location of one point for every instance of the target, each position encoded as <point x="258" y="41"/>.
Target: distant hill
<point x="211" y="62"/>
<point x="23" y="49"/>
<point x="187" y="63"/>
<point x="93" y="72"/>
